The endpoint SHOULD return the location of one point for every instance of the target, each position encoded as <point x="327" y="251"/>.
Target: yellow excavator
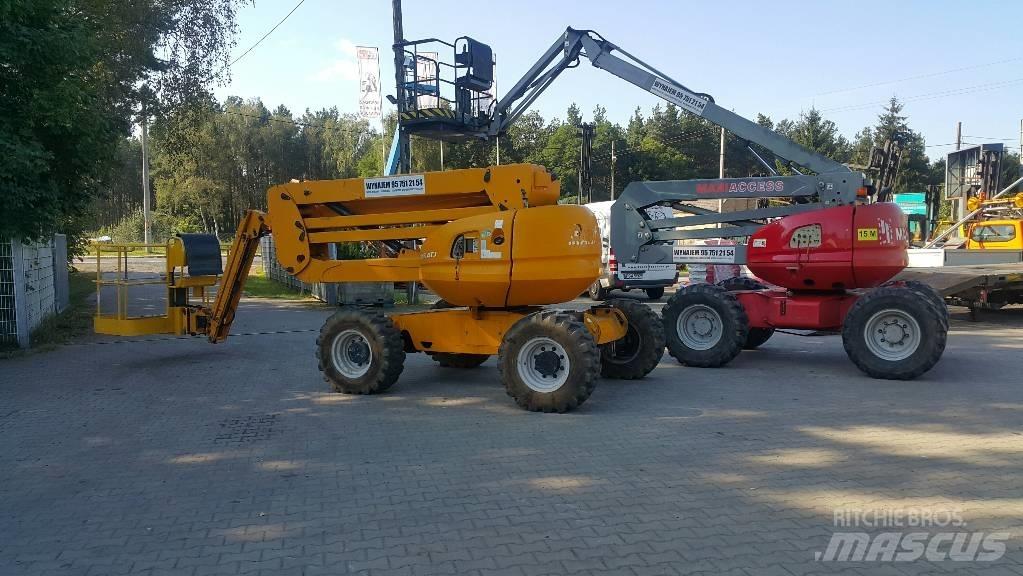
<point x="495" y="245"/>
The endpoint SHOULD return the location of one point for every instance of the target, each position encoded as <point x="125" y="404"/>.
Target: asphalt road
<point x="174" y="456"/>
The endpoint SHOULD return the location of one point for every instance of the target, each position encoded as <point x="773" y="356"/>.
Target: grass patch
<point x="257" y="285"/>
<point x="69" y="325"/>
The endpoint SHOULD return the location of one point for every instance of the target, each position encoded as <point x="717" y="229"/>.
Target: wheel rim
<point x="892" y="335"/>
<point x="351" y="354"/>
<point x="699" y="327"/>
<point x="626" y="348"/>
<point x="543" y="365"/>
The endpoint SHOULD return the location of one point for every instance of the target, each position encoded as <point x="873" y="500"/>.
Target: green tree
<point x="72" y="75"/>
<point x="820" y="135"/>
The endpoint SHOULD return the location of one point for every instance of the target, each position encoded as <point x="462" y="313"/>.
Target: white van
<point x="651" y="278"/>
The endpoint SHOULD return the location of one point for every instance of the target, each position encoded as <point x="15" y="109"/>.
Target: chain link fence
<point x="33" y="286"/>
<point x="8" y="317"/>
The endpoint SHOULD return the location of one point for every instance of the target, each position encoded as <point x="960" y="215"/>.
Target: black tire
<point x="638" y="352"/>
<point x="380" y="345"/>
<point x="728" y="321"/>
<point x="904" y="302"/>
<point x="928" y="292"/>
<point x="757" y="336"/>
<point x="655" y="293"/>
<point x="459" y="360"/>
<point x="579" y="349"/>
<point x="597" y="292"/>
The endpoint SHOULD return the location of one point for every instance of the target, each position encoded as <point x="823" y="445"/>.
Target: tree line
<point x="212" y="162"/>
<point x="77" y="76"/>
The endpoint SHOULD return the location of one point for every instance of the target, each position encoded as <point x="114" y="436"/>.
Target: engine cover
<point x="524" y="257"/>
<point x="838" y="248"/>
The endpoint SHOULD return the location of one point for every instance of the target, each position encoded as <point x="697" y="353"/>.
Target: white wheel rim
<point x="351" y="354"/>
<point x="892" y="335"/>
<point x="699" y="327"/>
<point x="543" y="365"/>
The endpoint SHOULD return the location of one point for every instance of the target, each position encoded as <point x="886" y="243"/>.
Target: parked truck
<point x="615" y="275"/>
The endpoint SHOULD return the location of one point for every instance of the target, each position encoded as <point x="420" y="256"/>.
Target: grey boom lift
<point x="635" y="237"/>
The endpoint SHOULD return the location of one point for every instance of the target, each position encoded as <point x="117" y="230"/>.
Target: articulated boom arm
<point x="239" y="260"/>
<point x="565" y="54"/>
<point x="395" y="211"/>
<point x="637" y="239"/>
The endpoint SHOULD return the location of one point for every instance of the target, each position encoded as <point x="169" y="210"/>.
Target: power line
<point x="932" y="95"/>
<point x="919" y="76"/>
<point x="258" y="42"/>
<point x="992" y="138"/>
<point x="676" y="139"/>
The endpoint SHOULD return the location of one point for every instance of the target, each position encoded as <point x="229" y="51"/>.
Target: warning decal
<point x="867" y="234"/>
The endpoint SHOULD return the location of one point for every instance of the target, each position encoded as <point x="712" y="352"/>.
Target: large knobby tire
<point x="360" y="351"/>
<point x="549" y="362"/>
<point x="704" y="326"/>
<point x="926" y="291"/>
<point x="757" y="336"/>
<point x="655" y="293"/>
<point x="894" y="333"/>
<point x="459" y="360"/>
<point x="597" y="292"/>
<point x="638" y="352"/>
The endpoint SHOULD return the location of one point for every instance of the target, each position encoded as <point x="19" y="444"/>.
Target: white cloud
<point x="345" y="68"/>
<point x="345" y="46"/>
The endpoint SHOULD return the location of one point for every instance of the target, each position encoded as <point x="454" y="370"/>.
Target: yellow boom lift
<point x="492" y="242"/>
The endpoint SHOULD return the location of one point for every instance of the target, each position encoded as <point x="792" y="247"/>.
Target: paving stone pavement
<point x="180" y="457"/>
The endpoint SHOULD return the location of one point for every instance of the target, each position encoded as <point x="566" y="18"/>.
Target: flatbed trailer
<point x="983" y="286"/>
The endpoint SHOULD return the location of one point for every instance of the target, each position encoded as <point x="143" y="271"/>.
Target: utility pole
<point x="147" y="233"/>
<point x="441" y="155"/>
<point x="615" y="159"/>
<point x="498" y="141"/>
<point x="959" y="135"/>
<point x="404" y="160"/>
<point x="1021" y="145"/>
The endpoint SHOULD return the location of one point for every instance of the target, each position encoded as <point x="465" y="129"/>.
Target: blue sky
<point x="777" y="57"/>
